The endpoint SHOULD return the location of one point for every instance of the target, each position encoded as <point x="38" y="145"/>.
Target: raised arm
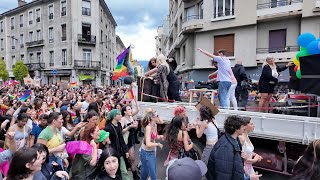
<point x="206" y="53"/>
<point x="154" y="70"/>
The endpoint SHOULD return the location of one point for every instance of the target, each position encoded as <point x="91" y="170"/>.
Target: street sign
<point x="54" y="72"/>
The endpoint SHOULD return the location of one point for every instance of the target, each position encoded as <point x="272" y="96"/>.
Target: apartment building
<point x="60" y="40"/>
<point x="249" y="30"/>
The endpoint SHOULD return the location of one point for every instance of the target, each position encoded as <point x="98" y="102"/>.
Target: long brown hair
<point x="88" y="130"/>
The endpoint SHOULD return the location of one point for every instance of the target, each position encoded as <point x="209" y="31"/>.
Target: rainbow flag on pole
<point x="25" y="96"/>
<point x="129" y="95"/>
<point x="125" y="64"/>
<point x="73" y="85"/>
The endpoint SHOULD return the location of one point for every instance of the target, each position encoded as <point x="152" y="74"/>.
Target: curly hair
<point x="206" y="114"/>
<point x="172" y="132"/>
<point x="233" y="123"/>
<point x="308" y="166"/>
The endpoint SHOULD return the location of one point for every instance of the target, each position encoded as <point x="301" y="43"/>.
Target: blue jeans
<point x="224" y="87"/>
<point x="148" y="165"/>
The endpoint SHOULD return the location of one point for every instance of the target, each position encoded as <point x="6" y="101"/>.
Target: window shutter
<point x="224" y="42"/>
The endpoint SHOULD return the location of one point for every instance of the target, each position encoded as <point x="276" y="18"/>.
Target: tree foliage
<point x="4" y="74"/>
<point x="20" y="71"/>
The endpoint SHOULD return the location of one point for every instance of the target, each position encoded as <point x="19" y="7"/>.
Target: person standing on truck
<point x="268" y="80"/>
<point x="241" y="91"/>
<point x="224" y="75"/>
<point x="248" y="148"/>
<point x="308" y="165"/>
<point x="208" y="127"/>
<point x="225" y="161"/>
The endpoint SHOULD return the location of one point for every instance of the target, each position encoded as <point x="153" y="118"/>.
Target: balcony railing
<point x="35" y="43"/>
<point x="51" y="64"/>
<point x="87" y="64"/>
<point x="35" y="66"/>
<point x="192" y="17"/>
<point x="277" y="3"/>
<point x="223" y="14"/>
<point x="86" y="39"/>
<point x="278" y="49"/>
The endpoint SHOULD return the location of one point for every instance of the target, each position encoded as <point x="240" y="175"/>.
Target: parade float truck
<point x="280" y="139"/>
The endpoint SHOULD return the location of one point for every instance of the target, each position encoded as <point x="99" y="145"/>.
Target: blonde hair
<point x="265" y="62"/>
<point x="161" y="60"/>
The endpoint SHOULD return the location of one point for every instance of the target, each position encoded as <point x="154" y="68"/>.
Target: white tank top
<point x="211" y="132"/>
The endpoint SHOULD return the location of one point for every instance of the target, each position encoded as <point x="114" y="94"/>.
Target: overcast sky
<point x="137" y="21"/>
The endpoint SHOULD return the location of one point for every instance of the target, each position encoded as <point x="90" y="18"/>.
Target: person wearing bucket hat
<point x="104" y="140"/>
<point x="186" y="169"/>
<point x="114" y="128"/>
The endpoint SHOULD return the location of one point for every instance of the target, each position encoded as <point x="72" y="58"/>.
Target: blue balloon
<point x="313" y="48"/>
<point x="305" y="38"/>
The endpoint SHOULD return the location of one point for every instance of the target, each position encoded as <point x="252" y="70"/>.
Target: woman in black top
<point x="268" y="80"/>
<point x="108" y="165"/>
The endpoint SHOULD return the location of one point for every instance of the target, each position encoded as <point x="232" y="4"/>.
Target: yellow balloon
<point x="296" y="62"/>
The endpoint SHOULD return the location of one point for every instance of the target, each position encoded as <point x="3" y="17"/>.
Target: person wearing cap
<point x="225" y="161"/>
<point x="114" y="128"/>
<point x="104" y="140"/>
<point x="186" y="169"/>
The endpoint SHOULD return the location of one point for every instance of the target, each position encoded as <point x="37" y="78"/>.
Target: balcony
<point x="281" y="54"/>
<point x="63" y="13"/>
<point x="51" y="64"/>
<point x="35" y="43"/>
<point x="191" y="24"/>
<point x="35" y="66"/>
<point x="86" y="39"/>
<point x="89" y="65"/>
<point x="279" y="7"/>
<point x="63" y="38"/>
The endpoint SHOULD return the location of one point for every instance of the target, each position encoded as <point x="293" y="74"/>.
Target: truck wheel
<point x="198" y="147"/>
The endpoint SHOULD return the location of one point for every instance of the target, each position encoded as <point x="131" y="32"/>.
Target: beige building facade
<point x="61" y="40"/>
<point x="249" y="30"/>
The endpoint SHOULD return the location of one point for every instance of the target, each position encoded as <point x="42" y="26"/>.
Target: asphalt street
<point x="163" y="153"/>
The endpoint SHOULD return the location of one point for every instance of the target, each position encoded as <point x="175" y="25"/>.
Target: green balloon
<point x="298" y="74"/>
<point x="301" y="53"/>
<point x="302" y="48"/>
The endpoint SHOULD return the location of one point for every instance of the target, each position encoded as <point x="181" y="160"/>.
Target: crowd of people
<point x="90" y="132"/>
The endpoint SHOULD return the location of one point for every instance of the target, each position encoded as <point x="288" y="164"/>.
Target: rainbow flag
<point x="129" y="95"/>
<point x="51" y="106"/>
<point x="125" y="65"/>
<point x="4" y="108"/>
<point x="73" y="85"/>
<point x="73" y="115"/>
<point x="25" y="96"/>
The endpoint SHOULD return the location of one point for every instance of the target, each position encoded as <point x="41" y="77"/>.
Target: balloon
<point x="302" y="48"/>
<point x="313" y="48"/>
<point x="296" y="68"/>
<point x="298" y="73"/>
<point x="305" y="38"/>
<point x="301" y="54"/>
<point x="296" y="62"/>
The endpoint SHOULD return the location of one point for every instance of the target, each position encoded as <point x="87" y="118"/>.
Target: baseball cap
<point x="186" y="169"/>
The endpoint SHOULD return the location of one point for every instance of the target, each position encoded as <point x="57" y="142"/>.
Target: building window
<point x="30" y="36"/>
<point x="277" y="40"/>
<point x="101" y="37"/>
<point x="223" y="8"/>
<point x="38" y="35"/>
<point x="38" y="56"/>
<point x="64" y="32"/>
<point x="13" y="42"/>
<point x="201" y="10"/>
<point x="86" y="7"/>
<point x="2" y="45"/>
<point x="21" y="20"/>
<point x="50" y="35"/>
<point x="30" y="57"/>
<point x="64" y="57"/>
<point x="63" y="8"/>
<point x="184" y="54"/>
<point x="190" y="13"/>
<point x="51" y="58"/>
<point x="225" y="42"/>
<point x="30" y="17"/>
<point x="21" y="41"/>
<point x="12" y="23"/>
<point x="86" y="54"/>
<point x="1" y="26"/>
<point x="50" y="11"/>
<point x="13" y="58"/>
<point x="38" y="15"/>
<point x="22" y="57"/>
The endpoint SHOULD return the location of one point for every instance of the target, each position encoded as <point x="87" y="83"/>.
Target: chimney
<point x="21" y="3"/>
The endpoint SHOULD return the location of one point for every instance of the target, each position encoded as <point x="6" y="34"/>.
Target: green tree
<point x="4" y="74"/>
<point x="20" y="71"/>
